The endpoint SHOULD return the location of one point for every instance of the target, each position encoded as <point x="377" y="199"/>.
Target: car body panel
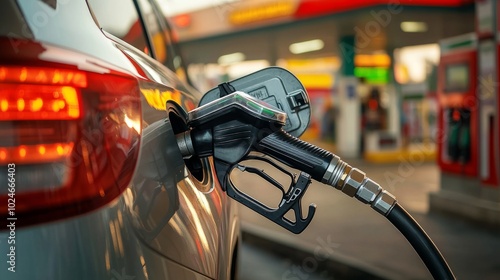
<point x="167" y="224"/>
<point x="70" y="25"/>
<point x="99" y="245"/>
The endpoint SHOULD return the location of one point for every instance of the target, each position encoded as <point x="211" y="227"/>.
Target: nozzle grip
<point x="296" y="153"/>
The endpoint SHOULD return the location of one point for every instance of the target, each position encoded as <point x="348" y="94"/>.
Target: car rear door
<point x="182" y="216"/>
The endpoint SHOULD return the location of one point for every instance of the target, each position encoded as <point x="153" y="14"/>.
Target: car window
<point x="121" y="19"/>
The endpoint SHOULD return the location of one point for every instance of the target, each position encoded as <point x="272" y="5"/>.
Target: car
<point x="93" y="185"/>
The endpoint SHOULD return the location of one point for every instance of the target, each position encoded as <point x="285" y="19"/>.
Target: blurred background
<point x="407" y="90"/>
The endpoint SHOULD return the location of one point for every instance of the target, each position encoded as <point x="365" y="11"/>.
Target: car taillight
<point x="72" y="134"/>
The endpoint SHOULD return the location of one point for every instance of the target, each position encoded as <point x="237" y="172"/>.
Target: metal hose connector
<point x="334" y="171"/>
<point x="354" y="183"/>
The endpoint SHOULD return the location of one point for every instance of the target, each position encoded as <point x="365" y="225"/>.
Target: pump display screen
<point x="457" y="78"/>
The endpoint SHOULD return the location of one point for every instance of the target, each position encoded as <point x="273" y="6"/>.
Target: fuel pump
<point x="233" y="123"/>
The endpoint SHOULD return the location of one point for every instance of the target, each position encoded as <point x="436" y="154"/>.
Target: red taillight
<point x="24" y="154"/>
<point x="43" y="76"/>
<point x="73" y="135"/>
<point x="38" y="102"/>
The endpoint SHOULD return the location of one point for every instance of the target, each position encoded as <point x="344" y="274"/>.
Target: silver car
<point x="92" y="183"/>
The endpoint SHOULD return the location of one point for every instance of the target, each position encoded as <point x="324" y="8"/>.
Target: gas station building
<point x="399" y="81"/>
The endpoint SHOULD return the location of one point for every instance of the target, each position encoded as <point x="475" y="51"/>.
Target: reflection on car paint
<point x="158" y="98"/>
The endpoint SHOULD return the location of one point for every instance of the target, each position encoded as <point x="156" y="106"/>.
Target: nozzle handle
<point x="296" y="153"/>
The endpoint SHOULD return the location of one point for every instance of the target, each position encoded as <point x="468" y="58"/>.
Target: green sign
<point x="373" y="75"/>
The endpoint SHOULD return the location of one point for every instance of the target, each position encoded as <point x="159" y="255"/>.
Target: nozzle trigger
<point x="291" y="199"/>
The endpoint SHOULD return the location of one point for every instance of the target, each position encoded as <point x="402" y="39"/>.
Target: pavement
<point x="349" y="240"/>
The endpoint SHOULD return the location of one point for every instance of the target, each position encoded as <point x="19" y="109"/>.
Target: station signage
<point x="262" y="12"/>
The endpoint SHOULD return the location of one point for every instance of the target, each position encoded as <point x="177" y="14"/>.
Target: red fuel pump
<point x="458" y="108"/>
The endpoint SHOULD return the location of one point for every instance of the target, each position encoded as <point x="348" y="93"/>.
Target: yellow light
<point x="41" y="150"/>
<point x="316" y="80"/>
<point x="71" y="98"/>
<point x="61" y="104"/>
<point x="57" y="77"/>
<point x="55" y="106"/>
<point x="60" y="150"/>
<point x="324" y="64"/>
<point x="20" y="104"/>
<point x="275" y="9"/>
<point x="4" y="105"/>
<point x="23" y="75"/>
<point x="22" y="151"/>
<point x="36" y="104"/>
<point x="372" y="60"/>
<point x="39" y="76"/>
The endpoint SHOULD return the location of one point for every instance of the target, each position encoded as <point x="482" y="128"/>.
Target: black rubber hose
<point x="421" y="242"/>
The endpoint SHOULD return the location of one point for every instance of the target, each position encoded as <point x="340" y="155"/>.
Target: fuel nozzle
<point x="232" y="127"/>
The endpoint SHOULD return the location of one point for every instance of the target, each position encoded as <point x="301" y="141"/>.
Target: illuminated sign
<point x="316" y="80"/>
<point x="372" y="60"/>
<point x="182" y="21"/>
<point x="308" y="8"/>
<point x="373" y="75"/>
<point x="262" y="12"/>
